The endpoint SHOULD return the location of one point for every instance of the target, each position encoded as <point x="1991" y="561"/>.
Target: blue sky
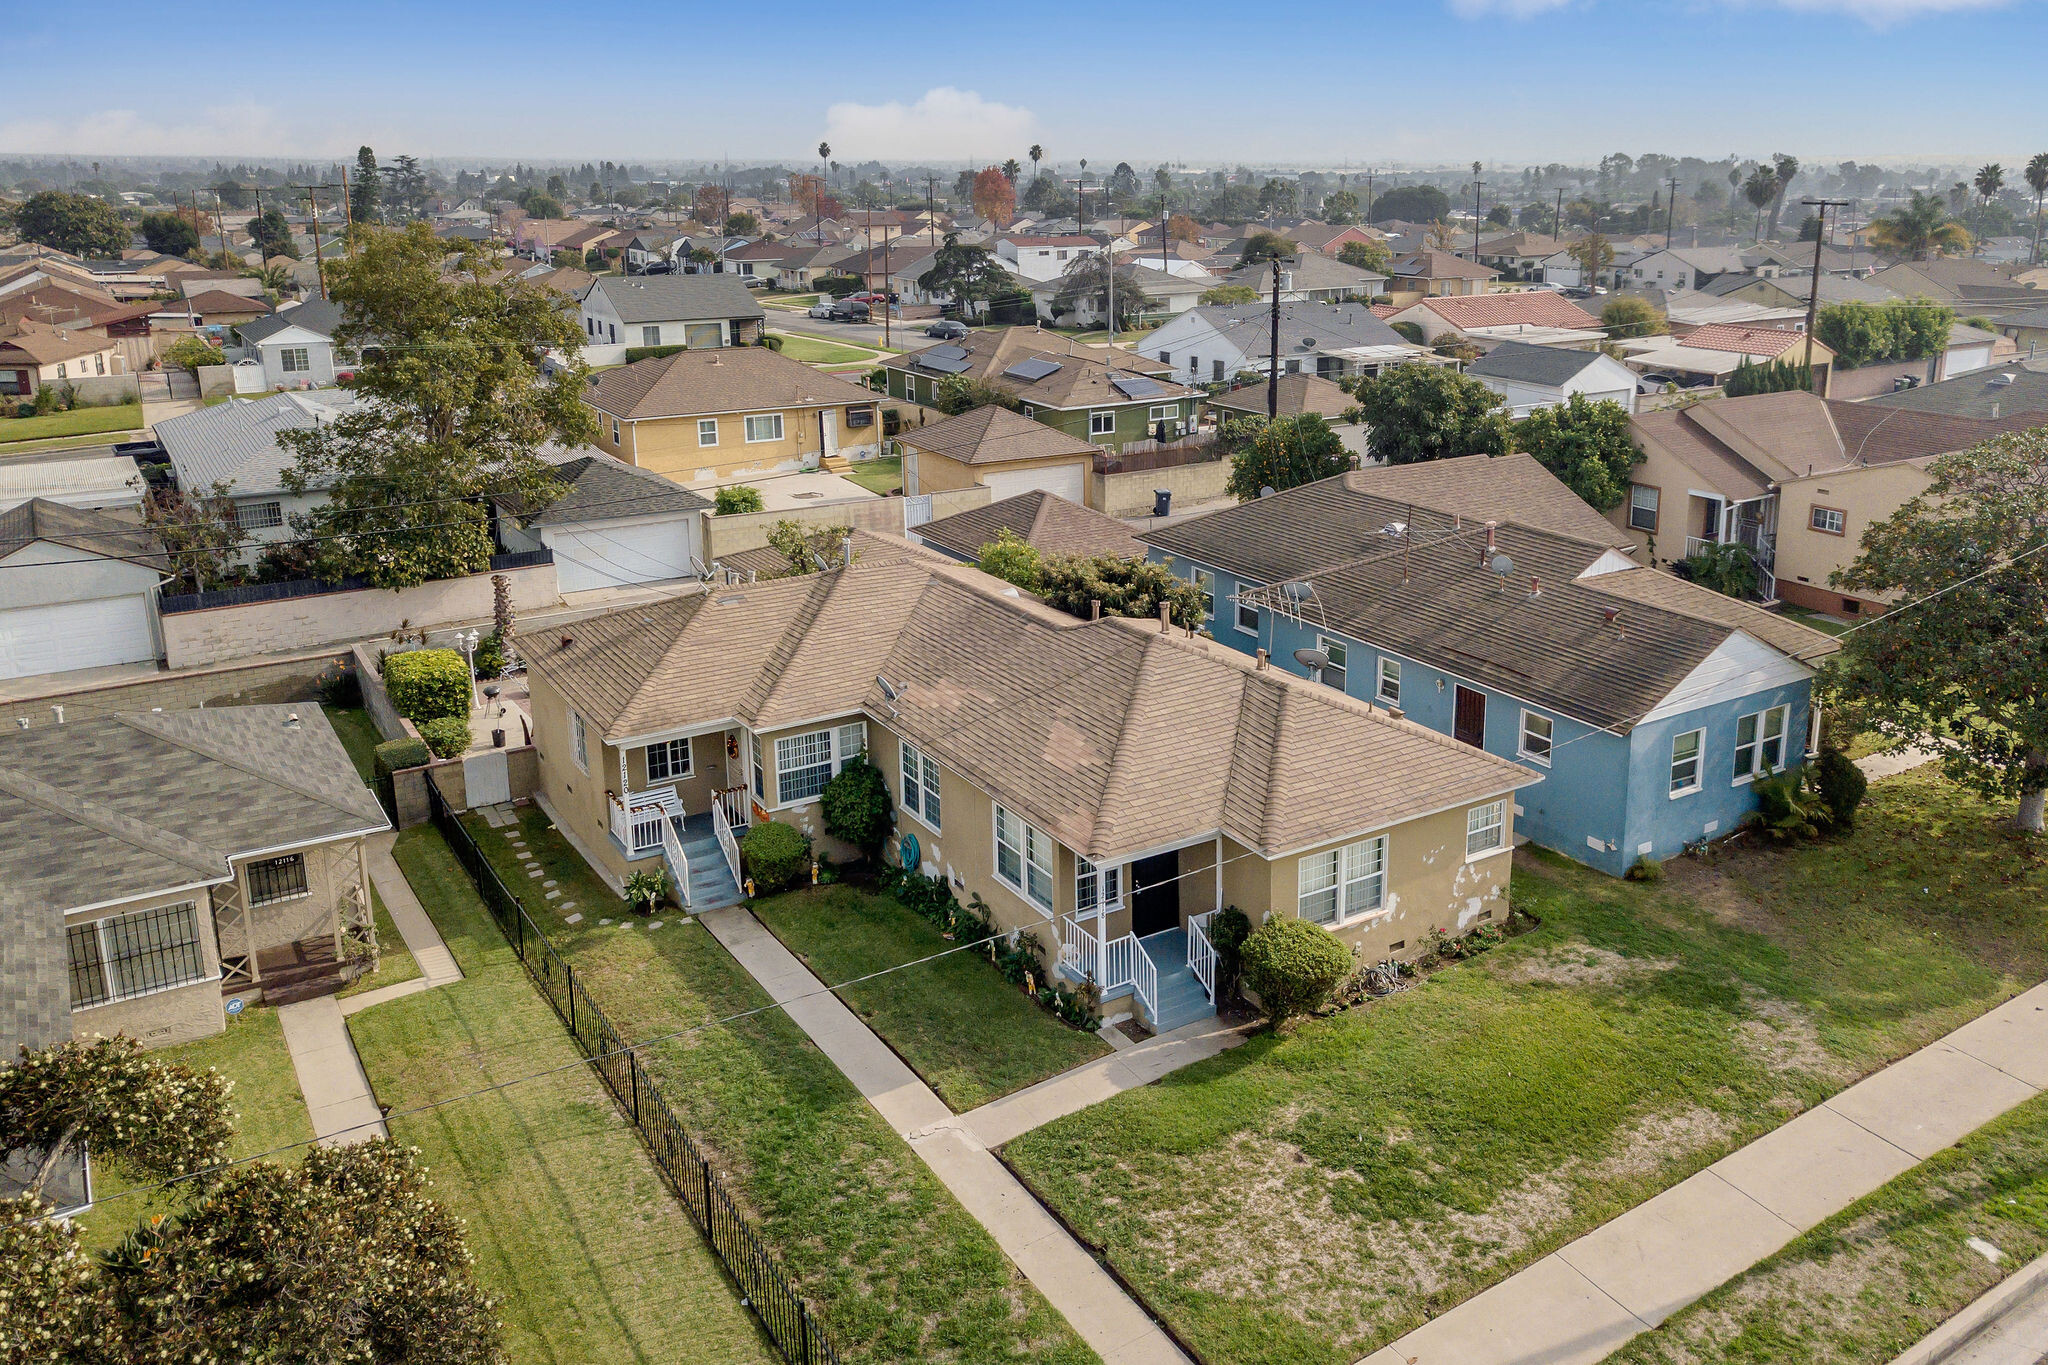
<point x="1379" y="82"/>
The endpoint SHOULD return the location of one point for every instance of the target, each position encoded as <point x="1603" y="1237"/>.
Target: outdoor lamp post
<point x="468" y="640"/>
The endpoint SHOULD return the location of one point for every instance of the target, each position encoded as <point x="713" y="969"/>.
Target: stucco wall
<point x="166" y="1017"/>
<point x="194" y="637"/>
<point x="43" y="574"/>
<point x="669" y="446"/>
<point x="937" y="473"/>
<point x="1866" y="496"/>
<point x="246" y="684"/>
<point x="1130" y="494"/>
<point x="725" y="535"/>
<point x="333" y="872"/>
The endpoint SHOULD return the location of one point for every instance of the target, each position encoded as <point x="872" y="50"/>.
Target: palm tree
<point x="824" y="156"/>
<point x="1037" y="154"/>
<point x="1989" y="181"/>
<point x="2037" y="181"/>
<point x="1011" y="170"/>
<point x="1760" y="189"/>
<point x="1914" y="231"/>
<point x="1783" y="169"/>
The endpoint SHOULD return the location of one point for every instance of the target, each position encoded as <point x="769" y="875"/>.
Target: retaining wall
<point x="241" y="684"/>
<point x="729" y="534"/>
<point x="1129" y="494"/>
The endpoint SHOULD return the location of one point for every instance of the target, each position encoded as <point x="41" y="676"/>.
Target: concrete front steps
<point x="1181" y="997"/>
<point x="711" y="883"/>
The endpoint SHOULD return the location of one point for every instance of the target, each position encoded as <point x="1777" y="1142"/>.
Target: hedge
<point x="634" y="353"/>
<point x="394" y="754"/>
<point x="1294" y="966"/>
<point x="427" y="684"/>
<point x="776" y="856"/>
<point x="448" y="736"/>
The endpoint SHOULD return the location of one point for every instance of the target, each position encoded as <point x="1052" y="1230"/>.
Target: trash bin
<point x="1162" y="502"/>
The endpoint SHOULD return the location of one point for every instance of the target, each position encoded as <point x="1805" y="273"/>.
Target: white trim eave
<point x="679" y="732"/>
<point x="150" y="895"/>
<point x="1740" y="666"/>
<point x="311" y="843"/>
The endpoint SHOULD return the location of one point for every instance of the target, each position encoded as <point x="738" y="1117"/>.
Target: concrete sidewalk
<point x="1061" y="1269"/>
<point x="330" y="1074"/>
<point x="1580" y="1303"/>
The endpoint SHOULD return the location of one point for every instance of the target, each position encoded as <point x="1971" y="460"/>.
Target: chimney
<point x="1489" y="535"/>
<point x="1165" y="620"/>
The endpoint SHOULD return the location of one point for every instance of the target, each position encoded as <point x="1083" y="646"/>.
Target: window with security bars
<point x="277" y="879"/>
<point x="135" y="954"/>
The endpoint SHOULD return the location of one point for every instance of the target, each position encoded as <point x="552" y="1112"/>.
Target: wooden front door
<point x="1469" y="723"/>
<point x="1155" y="894"/>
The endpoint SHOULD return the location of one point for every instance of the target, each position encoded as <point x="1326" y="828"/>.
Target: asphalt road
<point x="905" y="335"/>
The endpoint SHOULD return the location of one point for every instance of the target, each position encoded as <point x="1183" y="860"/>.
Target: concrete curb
<point x="2002" y="1298"/>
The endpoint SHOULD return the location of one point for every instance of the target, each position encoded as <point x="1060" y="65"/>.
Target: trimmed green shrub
<point x="427" y="684"/>
<point x="1293" y="966"/>
<point x="394" y="754"/>
<point x="775" y="856"/>
<point x="490" y="656"/>
<point x="447" y="736"/>
<point x="736" y="498"/>
<point x="1840" y="784"/>
<point x="1785" y="809"/>
<point x="1228" y="930"/>
<point x="856" y="806"/>
<point x="634" y="353"/>
<point x="769" y="340"/>
<point x="341" y="688"/>
<point x="1645" y="869"/>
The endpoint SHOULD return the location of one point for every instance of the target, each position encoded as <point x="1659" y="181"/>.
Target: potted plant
<point x="644" y="891"/>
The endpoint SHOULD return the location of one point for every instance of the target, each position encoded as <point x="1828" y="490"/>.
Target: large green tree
<point x="1862" y="333"/>
<point x="1421" y="412"/>
<point x="272" y="235"/>
<point x="458" y="406"/>
<point x="1086" y="284"/>
<point x="1372" y="256"/>
<point x="1917" y="230"/>
<point x="170" y="233"/>
<point x="1586" y="444"/>
<point x="1411" y="204"/>
<point x="77" y="223"/>
<point x="967" y="273"/>
<point x="366" y="190"/>
<point x="1283" y="454"/>
<point x="1957" y="662"/>
<point x="1124" y="587"/>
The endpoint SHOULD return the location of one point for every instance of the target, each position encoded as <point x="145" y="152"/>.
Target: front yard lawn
<point x="896" y="1267"/>
<point x="1307" y="1198"/>
<point x="883" y="474"/>
<point x="1881" y="1274"/>
<point x="583" y="891"/>
<point x="591" y="1256"/>
<point x="269" y="1113"/>
<point x="972" y="1035"/>
<point x="813" y="351"/>
<point x="77" y="422"/>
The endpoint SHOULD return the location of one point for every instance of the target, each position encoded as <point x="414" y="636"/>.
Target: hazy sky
<point x="1372" y="82"/>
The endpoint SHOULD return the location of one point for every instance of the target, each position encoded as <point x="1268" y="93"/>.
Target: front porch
<point x="1145" y="936"/>
<point x="1751" y="523"/>
<point x="700" y="850"/>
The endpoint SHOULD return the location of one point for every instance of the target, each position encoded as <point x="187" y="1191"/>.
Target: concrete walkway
<point x="330" y="1074"/>
<point x="422" y="940"/>
<point x="1874" y="766"/>
<point x="1583" y="1301"/>
<point x="1061" y="1269"/>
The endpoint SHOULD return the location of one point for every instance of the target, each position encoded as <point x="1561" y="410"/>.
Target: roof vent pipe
<point x="1535" y="587"/>
<point x="1095" y="609"/>
<point x="1261" y="665"/>
<point x="1165" y="617"/>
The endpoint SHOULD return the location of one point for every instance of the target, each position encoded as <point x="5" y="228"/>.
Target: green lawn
<point x="1307" y="1198"/>
<point x="1826" y="624"/>
<point x="896" y="1267"/>
<point x="77" y="422"/>
<point x="880" y="475"/>
<point x="64" y="443"/>
<point x="1878" y="1276"/>
<point x="561" y="864"/>
<point x="972" y="1035"/>
<point x="358" y="734"/>
<point x="269" y="1112"/>
<point x="813" y="351"/>
<point x="591" y="1256"/>
<point x="1100" y="336"/>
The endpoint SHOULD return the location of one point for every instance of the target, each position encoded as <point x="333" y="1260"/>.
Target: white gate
<point x="487" y="778"/>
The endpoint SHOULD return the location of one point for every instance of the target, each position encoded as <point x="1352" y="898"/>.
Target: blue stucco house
<point x="1481" y="598"/>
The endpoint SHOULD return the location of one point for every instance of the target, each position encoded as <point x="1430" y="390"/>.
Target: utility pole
<point x="1368" y="196"/>
<point x="313" y="197"/>
<point x="348" y="216"/>
<point x="1670" y="206"/>
<point x="931" y="208"/>
<point x="1820" y="207"/>
<point x="220" y="224"/>
<point x="1477" y="186"/>
<point x="1557" y="219"/>
<point x="1273" y="344"/>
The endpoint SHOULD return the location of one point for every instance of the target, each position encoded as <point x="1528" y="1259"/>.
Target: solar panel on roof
<point x="1037" y="367"/>
<point x="943" y="365"/>
<point x="1136" y="385"/>
<point x="947" y="352"/>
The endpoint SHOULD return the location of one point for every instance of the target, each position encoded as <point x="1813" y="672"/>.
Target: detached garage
<point x="613" y="527"/>
<point x="81" y="590"/>
<point x="1004" y="450"/>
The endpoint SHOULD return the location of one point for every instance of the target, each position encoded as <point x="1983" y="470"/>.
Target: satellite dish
<point x="1296" y="591"/>
<point x="1267" y="491"/>
<point x="1308" y="343"/>
<point x="1312" y="658"/>
<point x="888" y="688"/>
<point x="1501" y="565"/>
<point x="819" y="560"/>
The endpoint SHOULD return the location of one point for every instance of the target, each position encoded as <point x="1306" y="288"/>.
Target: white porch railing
<point x="722" y="827"/>
<point x="1118" y="963"/>
<point x="1698" y="545"/>
<point x="637" y="822"/>
<point x="1084" y="950"/>
<point x="678" y="861"/>
<point x="1201" y="953"/>
<point x="739" y="811"/>
<point x="1144" y="978"/>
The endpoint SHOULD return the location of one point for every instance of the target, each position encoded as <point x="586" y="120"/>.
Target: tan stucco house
<point x="1105" y="786"/>
<point x="1004" y="450"/>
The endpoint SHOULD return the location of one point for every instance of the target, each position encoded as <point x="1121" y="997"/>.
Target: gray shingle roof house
<point x="671" y="310"/>
<point x="236" y="443"/>
<point x="614" y="525"/>
<point x="2000" y="391"/>
<point x="199" y="846"/>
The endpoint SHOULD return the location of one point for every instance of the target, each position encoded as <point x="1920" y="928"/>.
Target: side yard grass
<point x="358" y="734"/>
<point x="879" y="475"/>
<point x="395" y="962"/>
<point x="269" y="1113"/>
<point x="591" y="1256"/>
<point x="80" y="421"/>
<point x="1878" y="1276"/>
<point x="1308" y="1197"/>
<point x="960" y="1025"/>
<point x="813" y="351"/>
<point x="896" y="1267"/>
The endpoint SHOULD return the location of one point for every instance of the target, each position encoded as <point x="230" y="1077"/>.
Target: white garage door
<point x="107" y="630"/>
<point x="1065" y="480"/>
<point x="608" y="556"/>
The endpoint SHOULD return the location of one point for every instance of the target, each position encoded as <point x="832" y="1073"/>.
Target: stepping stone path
<point x="549" y="882"/>
<point x="534" y="873"/>
<point x="602" y="921"/>
<point x="571" y="905"/>
<point x="575" y="919"/>
<point x="655" y="925"/>
<point x="552" y="895"/>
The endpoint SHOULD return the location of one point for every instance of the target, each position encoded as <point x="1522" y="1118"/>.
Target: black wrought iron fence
<point x="791" y="1322"/>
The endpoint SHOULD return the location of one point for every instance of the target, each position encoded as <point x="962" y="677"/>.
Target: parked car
<point x="1582" y="293"/>
<point x="849" y="310"/>
<point x="657" y="268"/>
<point x="946" y="329"/>
<point x="754" y="281"/>
<point x="822" y="310"/>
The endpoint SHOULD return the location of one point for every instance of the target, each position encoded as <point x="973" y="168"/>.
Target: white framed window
<point x="294" y="360"/>
<point x="615" y="431"/>
<point x="1166" y="357"/>
<point x="1162" y="412"/>
<point x="1335" y="672"/>
<point x="1486" y="829"/>
<point x="1642" y="507"/>
<point x="764" y="426"/>
<point x="1030" y="411"/>
<point x="1205" y="583"/>
<point x="921" y="786"/>
<point x="805" y="763"/>
<point x="650" y="336"/>
<point x="1024" y="858"/>
<point x="1535" y="742"/>
<point x="579" y="741"/>
<point x="1685" y="762"/>
<point x="1390" y="681"/>
<point x="1247" y="616"/>
<point x="1340" y="885"/>
<point x="259" y="516"/>
<point x="1097" y="890"/>
<point x="1102" y="423"/>
<point x="760" y="769"/>
<point x="1827" y="520"/>
<point x="139" y="953"/>
<point x="668" y="760"/>
<point x="707" y="431"/>
<point x="1760" y="743"/>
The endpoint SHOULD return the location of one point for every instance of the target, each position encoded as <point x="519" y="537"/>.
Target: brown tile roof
<point x="1045" y="520"/>
<point x="1499" y="488"/>
<point x="1082" y="379"/>
<point x="1113" y="736"/>
<point x="1653" y="587"/>
<point x="993" y="435"/>
<point x="221" y="301"/>
<point x="1299" y="393"/>
<point x="1870" y="437"/>
<point x="765" y="561"/>
<point x="1732" y="336"/>
<point x="724" y="379"/>
<point x="47" y="348"/>
<point x="1523" y="307"/>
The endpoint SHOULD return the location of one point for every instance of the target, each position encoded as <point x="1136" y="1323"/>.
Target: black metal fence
<point x="791" y="1322"/>
<point x="170" y="604"/>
